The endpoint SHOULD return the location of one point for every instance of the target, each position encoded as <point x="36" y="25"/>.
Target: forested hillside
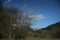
<point x="52" y="31"/>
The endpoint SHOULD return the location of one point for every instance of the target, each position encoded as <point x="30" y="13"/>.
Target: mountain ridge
<point x="52" y="31"/>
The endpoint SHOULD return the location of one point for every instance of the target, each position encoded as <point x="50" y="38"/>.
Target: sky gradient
<point x="47" y="11"/>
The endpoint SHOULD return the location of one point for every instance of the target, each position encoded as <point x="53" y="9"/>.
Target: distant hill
<point x="53" y="26"/>
<point x="52" y="31"/>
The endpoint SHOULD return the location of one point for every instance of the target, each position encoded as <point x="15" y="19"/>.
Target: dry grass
<point x="32" y="38"/>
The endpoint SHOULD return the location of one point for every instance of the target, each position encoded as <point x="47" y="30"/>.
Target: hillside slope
<point x="52" y="31"/>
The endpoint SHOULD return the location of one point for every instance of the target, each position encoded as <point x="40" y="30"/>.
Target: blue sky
<point x="48" y="10"/>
